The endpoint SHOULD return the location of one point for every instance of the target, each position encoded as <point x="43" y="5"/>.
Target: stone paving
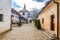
<point x="24" y="32"/>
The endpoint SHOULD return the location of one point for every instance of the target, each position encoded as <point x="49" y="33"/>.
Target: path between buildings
<point x="24" y="32"/>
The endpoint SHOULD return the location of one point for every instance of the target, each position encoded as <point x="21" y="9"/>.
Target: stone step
<point x="51" y="35"/>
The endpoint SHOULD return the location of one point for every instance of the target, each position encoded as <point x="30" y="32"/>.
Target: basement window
<point x="1" y="17"/>
<point x="42" y="20"/>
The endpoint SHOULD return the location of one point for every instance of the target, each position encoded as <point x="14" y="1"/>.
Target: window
<point x="42" y="20"/>
<point x="23" y="13"/>
<point x="1" y="17"/>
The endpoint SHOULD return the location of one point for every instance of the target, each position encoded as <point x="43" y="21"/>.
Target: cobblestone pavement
<point x="24" y="32"/>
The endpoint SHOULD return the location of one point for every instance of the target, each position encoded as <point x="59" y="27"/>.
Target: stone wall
<point x="51" y="9"/>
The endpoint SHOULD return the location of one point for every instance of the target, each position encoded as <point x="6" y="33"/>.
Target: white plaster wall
<point x="6" y="11"/>
<point x="25" y="16"/>
<point x="15" y="18"/>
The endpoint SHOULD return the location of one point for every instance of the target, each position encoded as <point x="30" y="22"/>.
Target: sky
<point x="30" y="4"/>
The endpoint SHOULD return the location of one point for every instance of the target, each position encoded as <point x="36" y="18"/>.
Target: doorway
<point x="52" y="22"/>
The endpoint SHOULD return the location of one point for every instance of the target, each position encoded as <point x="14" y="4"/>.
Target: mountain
<point x="34" y="12"/>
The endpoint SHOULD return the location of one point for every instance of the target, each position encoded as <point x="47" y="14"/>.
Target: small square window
<point x="1" y="17"/>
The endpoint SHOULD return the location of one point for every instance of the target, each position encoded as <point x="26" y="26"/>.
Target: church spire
<point x="24" y="7"/>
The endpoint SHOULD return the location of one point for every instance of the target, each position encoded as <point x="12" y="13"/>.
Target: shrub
<point x="37" y="24"/>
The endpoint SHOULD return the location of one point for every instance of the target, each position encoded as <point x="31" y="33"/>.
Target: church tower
<point x="24" y="13"/>
<point x="24" y="7"/>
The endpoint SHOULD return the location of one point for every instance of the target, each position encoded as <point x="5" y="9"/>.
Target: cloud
<point x="39" y="0"/>
<point x="15" y="6"/>
<point x="30" y="4"/>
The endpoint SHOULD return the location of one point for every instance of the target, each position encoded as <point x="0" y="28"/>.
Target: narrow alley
<point x="24" y="32"/>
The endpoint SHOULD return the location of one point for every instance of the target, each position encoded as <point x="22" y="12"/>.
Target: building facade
<point x="5" y="15"/>
<point x="15" y="16"/>
<point x="24" y="13"/>
<point x="50" y="17"/>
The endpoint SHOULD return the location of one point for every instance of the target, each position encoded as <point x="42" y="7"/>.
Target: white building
<point x="24" y="13"/>
<point x="15" y="16"/>
<point x="5" y="15"/>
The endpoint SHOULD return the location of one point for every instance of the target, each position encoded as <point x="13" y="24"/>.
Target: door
<point x="52" y="22"/>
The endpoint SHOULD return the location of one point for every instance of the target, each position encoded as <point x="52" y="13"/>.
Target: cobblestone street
<point x="24" y="32"/>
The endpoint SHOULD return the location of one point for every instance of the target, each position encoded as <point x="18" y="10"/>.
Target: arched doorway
<point x="52" y="22"/>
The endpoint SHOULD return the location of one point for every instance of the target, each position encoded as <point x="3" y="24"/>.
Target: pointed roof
<point x="14" y="11"/>
<point x="24" y="9"/>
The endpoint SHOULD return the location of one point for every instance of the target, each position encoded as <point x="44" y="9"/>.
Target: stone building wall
<point x="45" y="16"/>
<point x="46" y="13"/>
